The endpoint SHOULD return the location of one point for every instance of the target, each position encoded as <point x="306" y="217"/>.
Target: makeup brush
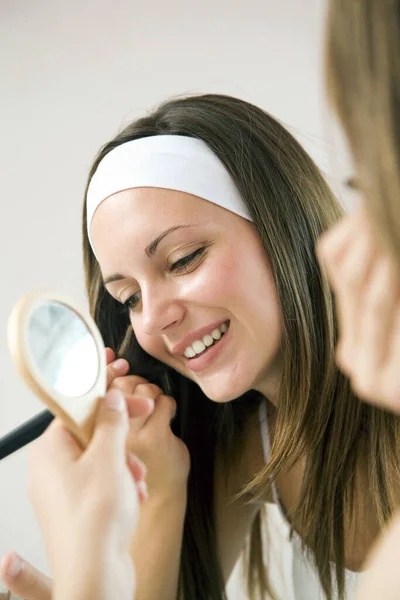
<point x="25" y="433"/>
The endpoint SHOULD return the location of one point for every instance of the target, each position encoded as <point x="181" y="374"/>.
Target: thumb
<point x="24" y="580"/>
<point x="56" y="442"/>
<point x="111" y="428"/>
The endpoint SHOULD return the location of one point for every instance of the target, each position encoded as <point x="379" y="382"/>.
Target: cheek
<point x="250" y="288"/>
<point x="219" y="283"/>
<point x="151" y="344"/>
<point x="242" y="282"/>
<point x="238" y="281"/>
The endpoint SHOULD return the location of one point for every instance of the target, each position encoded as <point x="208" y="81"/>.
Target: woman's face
<point x="198" y="287"/>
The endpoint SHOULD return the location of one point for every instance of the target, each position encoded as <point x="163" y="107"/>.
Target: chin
<point x="224" y="392"/>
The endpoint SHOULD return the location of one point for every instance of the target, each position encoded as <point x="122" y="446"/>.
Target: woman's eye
<point x="131" y="302"/>
<point x="183" y="264"/>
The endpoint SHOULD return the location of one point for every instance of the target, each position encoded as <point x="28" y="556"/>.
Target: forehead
<point x="136" y="216"/>
<point x="153" y="205"/>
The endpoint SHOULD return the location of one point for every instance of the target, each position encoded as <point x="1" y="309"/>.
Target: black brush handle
<point x="25" y="433"/>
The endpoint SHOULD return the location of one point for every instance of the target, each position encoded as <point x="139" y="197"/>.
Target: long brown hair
<point x="317" y="415"/>
<point x="363" y="78"/>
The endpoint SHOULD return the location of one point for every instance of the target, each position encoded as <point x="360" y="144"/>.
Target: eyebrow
<point x="150" y="251"/>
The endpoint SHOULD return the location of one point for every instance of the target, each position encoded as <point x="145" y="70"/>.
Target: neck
<point x="270" y="383"/>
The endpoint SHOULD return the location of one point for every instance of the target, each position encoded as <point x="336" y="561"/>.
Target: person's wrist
<point x="159" y="513"/>
<point x="167" y="499"/>
<point x="101" y="575"/>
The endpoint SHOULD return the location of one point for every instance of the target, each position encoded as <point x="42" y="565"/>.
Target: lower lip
<point x="203" y="361"/>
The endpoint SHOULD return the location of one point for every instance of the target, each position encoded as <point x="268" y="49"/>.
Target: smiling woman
<point x="193" y="281"/>
<point x="199" y="230"/>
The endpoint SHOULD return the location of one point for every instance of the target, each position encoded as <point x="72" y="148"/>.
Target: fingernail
<point x="115" y="400"/>
<point x="120" y="364"/>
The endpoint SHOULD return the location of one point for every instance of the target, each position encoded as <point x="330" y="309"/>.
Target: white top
<point x="291" y="575"/>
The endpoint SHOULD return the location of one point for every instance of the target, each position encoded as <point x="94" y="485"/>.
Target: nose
<point x="160" y="311"/>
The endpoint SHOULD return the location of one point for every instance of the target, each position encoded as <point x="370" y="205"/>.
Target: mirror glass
<point x="62" y="349"/>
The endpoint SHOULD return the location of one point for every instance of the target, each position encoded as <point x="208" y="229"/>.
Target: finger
<point x="110" y="355"/>
<point x="111" y="429"/>
<point x="139" y="406"/>
<point x="164" y="412"/>
<point x="128" y="384"/>
<point x="137" y="468"/>
<point x="143" y="435"/>
<point x="22" y="579"/>
<point x="58" y="443"/>
<point x="118" y="368"/>
<point x="151" y="391"/>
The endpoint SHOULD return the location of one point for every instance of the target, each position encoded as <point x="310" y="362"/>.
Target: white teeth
<point x="198" y="346"/>
<point x="208" y="340"/>
<point x="189" y="352"/>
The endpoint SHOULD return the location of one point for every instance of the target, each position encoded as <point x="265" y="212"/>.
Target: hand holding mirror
<point x="60" y="354"/>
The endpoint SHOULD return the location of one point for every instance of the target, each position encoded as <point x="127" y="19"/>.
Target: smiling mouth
<point x="200" y="347"/>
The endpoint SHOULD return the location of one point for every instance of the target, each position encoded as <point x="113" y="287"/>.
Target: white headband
<point x="171" y="162"/>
